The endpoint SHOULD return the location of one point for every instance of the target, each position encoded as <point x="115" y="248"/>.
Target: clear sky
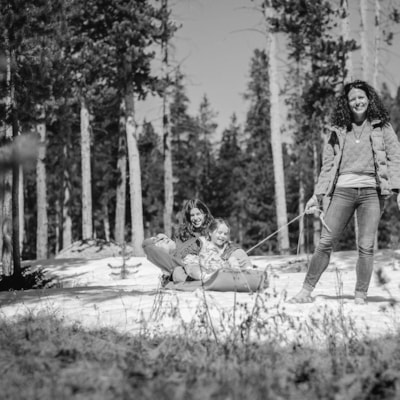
<point x="214" y="46"/>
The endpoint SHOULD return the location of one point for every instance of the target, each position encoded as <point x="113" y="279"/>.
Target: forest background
<point x="74" y="73"/>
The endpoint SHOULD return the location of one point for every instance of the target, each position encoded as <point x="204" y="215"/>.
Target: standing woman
<point x="361" y="167"/>
<point x="168" y="254"/>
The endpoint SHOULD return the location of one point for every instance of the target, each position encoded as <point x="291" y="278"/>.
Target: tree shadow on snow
<point x="59" y="264"/>
<point x="91" y="294"/>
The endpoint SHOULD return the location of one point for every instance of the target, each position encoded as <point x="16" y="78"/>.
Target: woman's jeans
<point x="345" y="201"/>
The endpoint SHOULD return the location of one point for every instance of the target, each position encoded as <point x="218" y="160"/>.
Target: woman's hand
<point x="312" y="205"/>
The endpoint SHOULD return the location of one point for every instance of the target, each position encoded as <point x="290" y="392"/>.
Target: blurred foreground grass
<point x="41" y="357"/>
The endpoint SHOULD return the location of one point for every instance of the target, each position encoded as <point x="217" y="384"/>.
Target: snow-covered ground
<point x="93" y="293"/>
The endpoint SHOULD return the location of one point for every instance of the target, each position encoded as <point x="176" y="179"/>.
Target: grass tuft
<point x="325" y="358"/>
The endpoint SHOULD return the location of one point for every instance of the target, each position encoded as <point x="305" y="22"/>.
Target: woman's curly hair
<point x="342" y="116"/>
<point x="187" y="230"/>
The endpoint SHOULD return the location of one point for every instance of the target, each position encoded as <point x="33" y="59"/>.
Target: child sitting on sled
<point x="217" y="252"/>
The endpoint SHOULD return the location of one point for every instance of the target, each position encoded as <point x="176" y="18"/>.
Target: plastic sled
<point x="226" y="280"/>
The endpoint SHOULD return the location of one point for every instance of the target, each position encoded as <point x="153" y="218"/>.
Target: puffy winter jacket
<point x="386" y="151"/>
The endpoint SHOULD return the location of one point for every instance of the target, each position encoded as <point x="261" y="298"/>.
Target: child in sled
<point x="217" y="252"/>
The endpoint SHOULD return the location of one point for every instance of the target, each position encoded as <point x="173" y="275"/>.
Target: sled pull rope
<point x="321" y="217"/>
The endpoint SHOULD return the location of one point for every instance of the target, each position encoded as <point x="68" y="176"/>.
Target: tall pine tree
<point x="259" y="210"/>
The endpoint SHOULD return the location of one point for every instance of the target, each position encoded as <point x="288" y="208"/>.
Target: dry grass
<point x="247" y="355"/>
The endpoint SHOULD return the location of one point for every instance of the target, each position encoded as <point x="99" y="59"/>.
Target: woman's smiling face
<point x="358" y="103"/>
<point x="196" y="217"/>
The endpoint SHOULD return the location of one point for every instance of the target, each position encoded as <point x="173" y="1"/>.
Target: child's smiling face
<point x="220" y="235"/>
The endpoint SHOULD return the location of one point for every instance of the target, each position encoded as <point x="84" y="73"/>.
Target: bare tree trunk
<point x="106" y="221"/>
<point x="344" y="6"/>
<point x="87" y="223"/>
<point x="316" y="220"/>
<point x="120" y="206"/>
<point x="276" y="141"/>
<point x="67" y="222"/>
<point x="299" y="79"/>
<point x="301" y="245"/>
<point x="168" y="182"/>
<point x="364" y="40"/>
<point x="6" y="248"/>
<point x="135" y="184"/>
<point x="66" y="212"/>
<point x="21" y="207"/>
<point x="41" y="195"/>
<point x="168" y="172"/>
<point x="6" y="224"/>
<point x="16" y="251"/>
<point x="377" y="43"/>
<point x="240" y="229"/>
<point x="57" y="226"/>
